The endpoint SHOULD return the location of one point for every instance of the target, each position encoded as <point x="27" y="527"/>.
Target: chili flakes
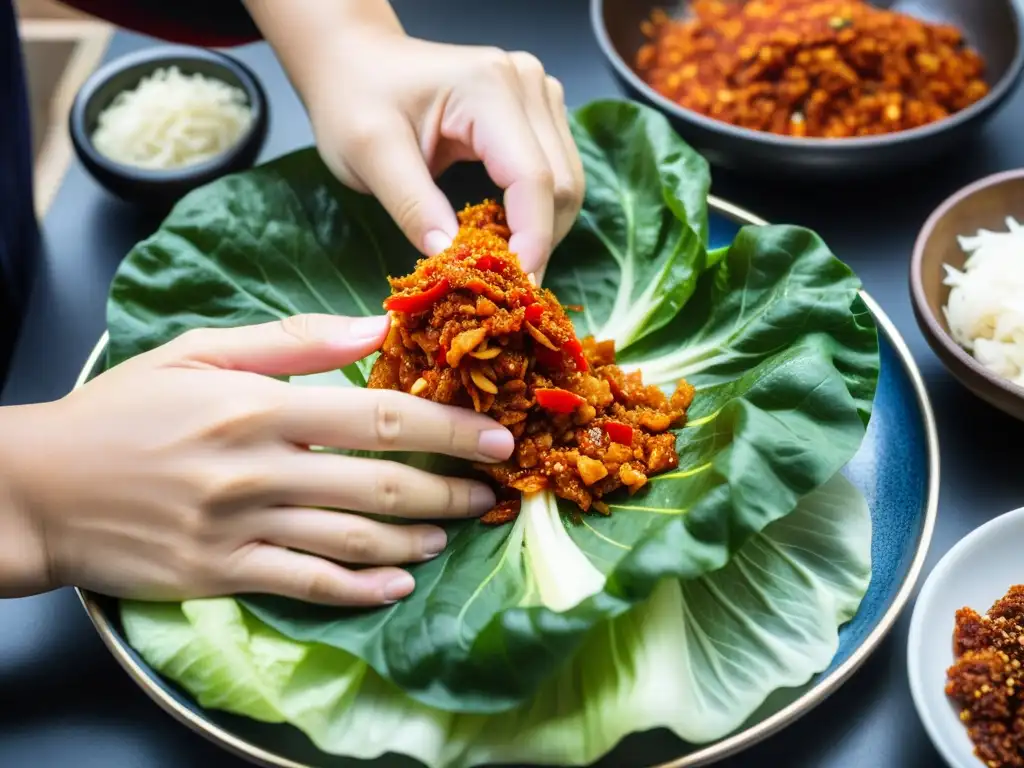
<point x="810" y="68"/>
<point x="986" y="679"/>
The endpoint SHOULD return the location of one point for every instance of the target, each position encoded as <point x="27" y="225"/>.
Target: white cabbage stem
<point x="564" y="576"/>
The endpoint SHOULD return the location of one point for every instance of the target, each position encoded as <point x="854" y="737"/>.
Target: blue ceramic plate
<point x="897" y="470"/>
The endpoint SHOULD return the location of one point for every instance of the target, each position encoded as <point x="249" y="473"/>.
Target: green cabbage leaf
<point x="771" y="331"/>
<point x="697" y="657"/>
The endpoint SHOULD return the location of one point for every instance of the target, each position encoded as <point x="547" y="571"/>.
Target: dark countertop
<point x="63" y="700"/>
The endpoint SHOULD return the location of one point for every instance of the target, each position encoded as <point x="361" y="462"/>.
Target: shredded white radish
<point x="985" y="310"/>
<point x="172" y="120"/>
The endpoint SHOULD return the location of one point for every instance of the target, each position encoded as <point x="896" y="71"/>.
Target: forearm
<point x="24" y="561"/>
<point x="308" y="35"/>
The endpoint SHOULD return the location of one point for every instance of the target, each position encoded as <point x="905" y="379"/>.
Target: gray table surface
<point x="64" y="703"/>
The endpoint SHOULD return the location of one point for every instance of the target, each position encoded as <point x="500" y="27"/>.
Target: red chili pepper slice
<point x="534" y="312"/>
<point x="574" y="350"/>
<point x="526" y="299"/>
<point x="418" y="302"/>
<point x="488" y="264"/>
<point x="558" y="400"/>
<point x="548" y="358"/>
<point x="619" y="432"/>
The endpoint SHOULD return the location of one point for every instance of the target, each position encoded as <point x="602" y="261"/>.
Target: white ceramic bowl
<point x="976" y="572"/>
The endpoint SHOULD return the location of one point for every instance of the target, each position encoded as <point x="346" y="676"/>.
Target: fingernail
<point x="496" y="444"/>
<point x="481" y="499"/>
<point x="436" y="241"/>
<point x="399" y="587"/>
<point x="434" y="543"/>
<point x="368" y="327"/>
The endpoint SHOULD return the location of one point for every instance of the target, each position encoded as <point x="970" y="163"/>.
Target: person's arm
<point x="181" y="474"/>
<point x="24" y="561"/>
<point x="208" y="23"/>
<point x="306" y="34"/>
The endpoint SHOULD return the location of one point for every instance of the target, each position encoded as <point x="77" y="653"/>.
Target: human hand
<point x="391" y="112"/>
<point x="181" y="473"/>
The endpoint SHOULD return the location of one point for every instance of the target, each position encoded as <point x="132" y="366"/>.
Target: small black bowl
<point x="992" y="27"/>
<point x="162" y="188"/>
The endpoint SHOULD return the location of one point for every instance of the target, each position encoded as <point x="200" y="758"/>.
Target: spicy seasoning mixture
<point x="986" y="679"/>
<point x="470" y="328"/>
<point x="815" y="68"/>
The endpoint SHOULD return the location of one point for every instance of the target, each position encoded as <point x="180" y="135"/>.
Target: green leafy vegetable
<point x="279" y="240"/>
<point x="698" y="657"/>
<point x="771" y="330"/>
<point x="642" y="232"/>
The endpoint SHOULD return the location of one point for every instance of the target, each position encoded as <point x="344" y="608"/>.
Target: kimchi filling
<point x="471" y="329"/>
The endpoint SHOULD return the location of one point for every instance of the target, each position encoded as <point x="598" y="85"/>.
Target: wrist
<point x="311" y="38"/>
<point x="25" y="562"/>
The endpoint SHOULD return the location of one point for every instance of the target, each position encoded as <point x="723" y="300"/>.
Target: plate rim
<point x="719" y="750"/>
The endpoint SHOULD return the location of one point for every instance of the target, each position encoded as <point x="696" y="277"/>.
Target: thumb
<point x="394" y="171"/>
<point x="294" y="346"/>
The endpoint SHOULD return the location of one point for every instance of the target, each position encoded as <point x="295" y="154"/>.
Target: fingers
<point x="517" y="126"/>
<point x="569" y="189"/>
<point x="385" y="420"/>
<point x="309" y="479"/>
<point x="490" y="116"/>
<point x="545" y="108"/>
<point x="296" y="345"/>
<point x="346" y="538"/>
<point x="389" y="162"/>
<point x="262" y="568"/>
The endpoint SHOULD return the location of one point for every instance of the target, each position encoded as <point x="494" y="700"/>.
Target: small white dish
<point x="976" y="572"/>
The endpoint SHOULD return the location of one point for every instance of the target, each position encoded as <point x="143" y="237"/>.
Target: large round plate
<point x="897" y="470"/>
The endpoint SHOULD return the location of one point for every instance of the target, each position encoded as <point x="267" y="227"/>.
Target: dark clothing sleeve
<point x="18" y="234"/>
<point x="207" y="23"/>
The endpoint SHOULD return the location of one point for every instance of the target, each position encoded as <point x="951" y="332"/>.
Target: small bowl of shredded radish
<point x="967" y="288"/>
<point x="153" y="125"/>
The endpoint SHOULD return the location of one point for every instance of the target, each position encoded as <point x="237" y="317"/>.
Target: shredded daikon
<point x="172" y="120"/>
<point x="985" y="310"/>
